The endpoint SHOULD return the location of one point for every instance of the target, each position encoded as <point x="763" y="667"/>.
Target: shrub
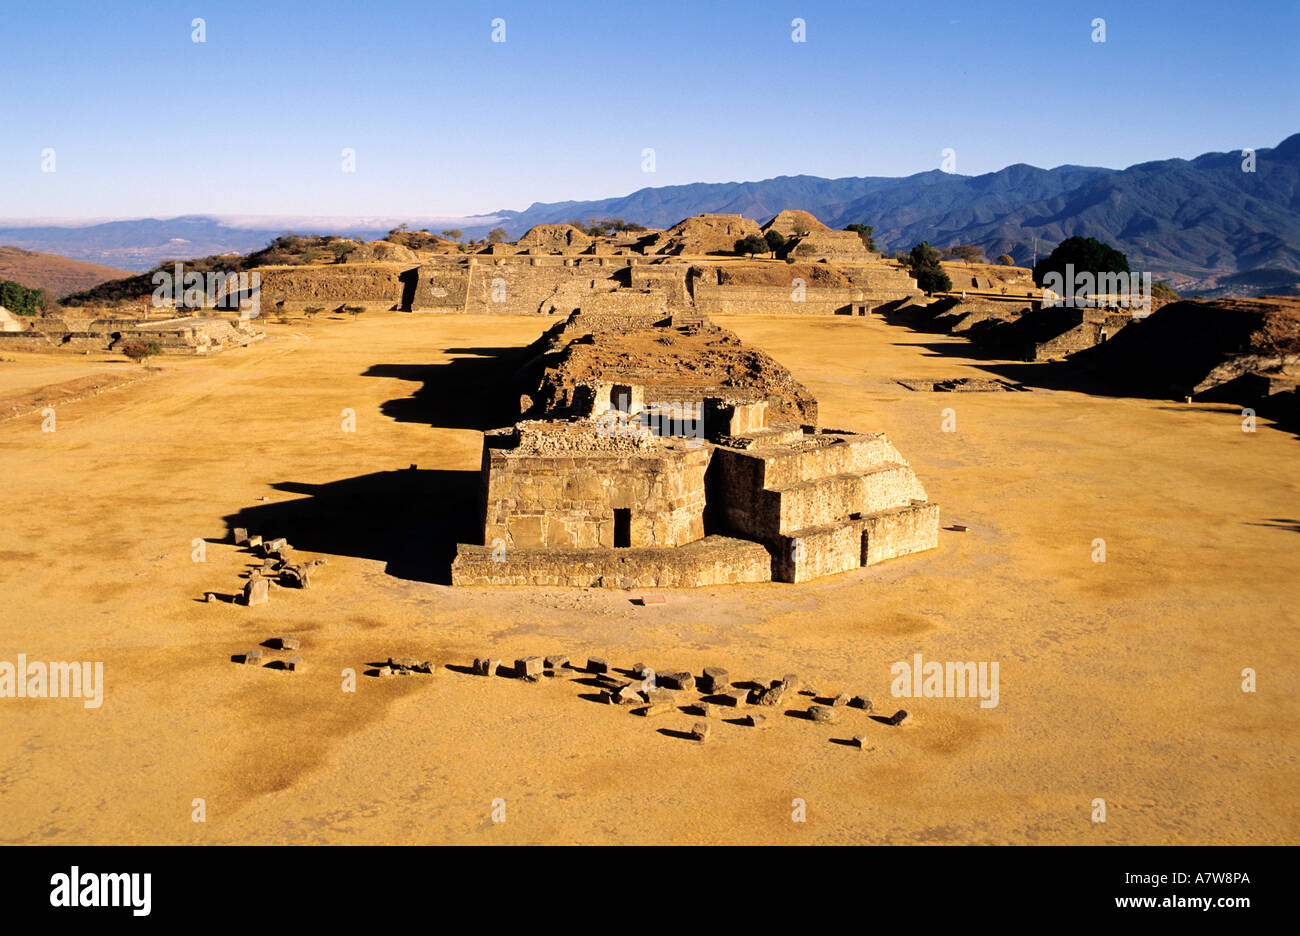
<point x="141" y="351"/>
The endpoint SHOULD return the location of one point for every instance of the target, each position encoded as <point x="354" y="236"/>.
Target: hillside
<point x="59" y="275"/>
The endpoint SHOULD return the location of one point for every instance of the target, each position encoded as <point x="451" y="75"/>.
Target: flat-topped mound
<point x="633" y="351"/>
<point x="554" y="237"/>
<point x="793" y="221"/>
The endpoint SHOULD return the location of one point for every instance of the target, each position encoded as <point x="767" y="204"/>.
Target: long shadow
<point x="409" y="519"/>
<point x="478" y="391"/>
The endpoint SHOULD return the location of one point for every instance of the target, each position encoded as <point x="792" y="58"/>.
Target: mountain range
<point x="1204" y="224"/>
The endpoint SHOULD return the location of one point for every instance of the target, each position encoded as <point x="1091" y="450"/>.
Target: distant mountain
<point x="1193" y="222"/>
<point x="57" y="274"/>
<point x="1203" y="224"/>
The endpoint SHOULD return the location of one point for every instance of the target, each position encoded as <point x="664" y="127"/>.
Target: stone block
<point x="529" y="668"/>
<point x="293" y="664"/>
<point x="701" y="731"/>
<point x="771" y="696"/>
<point x="556" y="662"/>
<point x="841" y="699"/>
<point x="861" y="702"/>
<point x="241" y="536"/>
<point x="821" y="713"/>
<point x="597" y="665"/>
<point x="257" y="590"/>
<point x="290" y="642"/>
<point x="754" y="720"/>
<point x="900" y="717"/>
<point x="715" y="679"/>
<point x="682" y="681"/>
<point x="253" y="658"/>
<point x="254" y="541"/>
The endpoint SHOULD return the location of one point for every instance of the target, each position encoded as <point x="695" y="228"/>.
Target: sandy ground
<point x="1118" y="680"/>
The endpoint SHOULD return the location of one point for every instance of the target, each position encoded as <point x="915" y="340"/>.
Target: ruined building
<point x="657" y="450"/>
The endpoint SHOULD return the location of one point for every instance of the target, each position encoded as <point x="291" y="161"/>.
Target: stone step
<point x="831" y="548"/>
<point x="834" y="497"/>
<point x="809" y="457"/>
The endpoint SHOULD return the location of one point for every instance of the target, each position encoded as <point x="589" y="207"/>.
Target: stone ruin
<point x="661" y="451"/>
<point x="554" y="267"/>
<point x="68" y="331"/>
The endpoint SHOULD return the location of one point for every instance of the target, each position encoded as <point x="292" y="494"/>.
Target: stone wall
<point x="714" y="560"/>
<point x="560" y="489"/>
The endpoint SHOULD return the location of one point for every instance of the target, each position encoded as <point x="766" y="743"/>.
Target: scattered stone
<point x="385" y="671"/>
<point x="683" y="681"/>
<point x="899" y="718"/>
<point x="792" y="682"/>
<point x="299" y="576"/>
<point x="771" y="696"/>
<point x="279" y="544"/>
<point x="862" y="742"/>
<point x="597" y="665"/>
<point x="707" y="709"/>
<point x="486" y="667"/>
<point x="293" y="664"/>
<point x="253" y="658"/>
<point x="254" y="541"/>
<point x="715" y="679"/>
<point x="755" y="720"/>
<point x="257" y="591"/>
<point x="841" y="699"/>
<point x="701" y="731"/>
<point x="290" y="642"/>
<point x="821" y="713"/>
<point x="658" y="708"/>
<point x="627" y="695"/>
<point x="241" y="536"/>
<point x="959" y="528"/>
<point x="653" y="600"/>
<point x="529" y="668"/>
<point x="492" y="667"/>
<point x="735" y="699"/>
<point x="639" y="670"/>
<point x="862" y="702"/>
<point x="209" y="597"/>
<point x="556" y="662"/>
<point x="661" y="697"/>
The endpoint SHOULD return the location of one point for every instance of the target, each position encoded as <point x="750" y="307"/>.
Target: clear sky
<point x="444" y="121"/>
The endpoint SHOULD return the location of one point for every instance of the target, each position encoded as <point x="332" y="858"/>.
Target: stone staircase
<point x="824" y="503"/>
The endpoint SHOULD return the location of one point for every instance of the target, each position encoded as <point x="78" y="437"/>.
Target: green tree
<point x="20" y="300"/>
<point x="496" y="235"/>
<point x="1006" y="260"/>
<point x="968" y="253"/>
<point x="863" y="231"/>
<point x="1085" y="255"/>
<point x="751" y="244"/>
<point x="775" y="240"/>
<point x="453" y="234"/>
<point x="923" y="263"/>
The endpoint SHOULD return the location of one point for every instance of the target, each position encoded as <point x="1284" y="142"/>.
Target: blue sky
<point x="144" y="121"/>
